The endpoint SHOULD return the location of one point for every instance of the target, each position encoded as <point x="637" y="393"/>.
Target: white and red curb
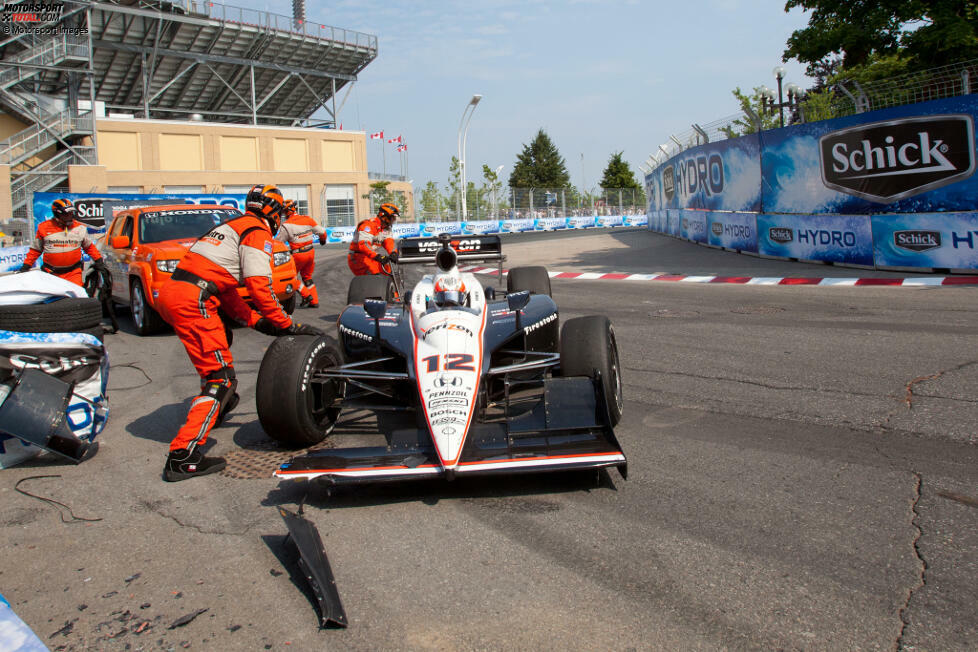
<point x="916" y="281"/>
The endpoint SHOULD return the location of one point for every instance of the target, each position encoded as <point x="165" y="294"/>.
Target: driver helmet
<point x="267" y="202"/>
<point x="450" y="290"/>
<point x="63" y="212"/>
<point x="388" y="214"/>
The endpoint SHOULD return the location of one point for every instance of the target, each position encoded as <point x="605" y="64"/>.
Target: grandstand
<point x="183" y="61"/>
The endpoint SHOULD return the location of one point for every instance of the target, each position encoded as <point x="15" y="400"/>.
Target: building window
<point x="340" y="206"/>
<point x="299" y="194"/>
<point x="133" y="189"/>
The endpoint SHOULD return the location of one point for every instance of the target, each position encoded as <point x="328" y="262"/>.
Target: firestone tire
<point x="372" y="286"/>
<point x="292" y="405"/>
<point x="588" y="344"/>
<point x="534" y="279"/>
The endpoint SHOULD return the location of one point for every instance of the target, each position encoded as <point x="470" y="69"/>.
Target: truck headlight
<point x="281" y="257"/>
<point x="167" y="266"/>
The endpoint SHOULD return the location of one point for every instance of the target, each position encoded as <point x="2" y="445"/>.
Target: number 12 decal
<point x="452" y="362"/>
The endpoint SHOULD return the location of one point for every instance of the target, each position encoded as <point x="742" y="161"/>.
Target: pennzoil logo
<point x="887" y="161"/>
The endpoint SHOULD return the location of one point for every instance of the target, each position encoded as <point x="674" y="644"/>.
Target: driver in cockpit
<point x="449" y="290"/>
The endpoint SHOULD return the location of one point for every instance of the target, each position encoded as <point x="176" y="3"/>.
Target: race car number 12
<point x="451" y="362"/>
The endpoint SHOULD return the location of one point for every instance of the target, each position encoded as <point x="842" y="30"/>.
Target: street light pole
<point x="463" y="131"/>
<point x="779" y="74"/>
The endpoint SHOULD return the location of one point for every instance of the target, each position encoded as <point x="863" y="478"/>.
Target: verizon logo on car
<point x="887" y="161"/>
<point x="917" y="240"/>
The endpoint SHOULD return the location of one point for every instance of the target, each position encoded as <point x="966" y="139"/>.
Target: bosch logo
<point x="780" y="234"/>
<point x="917" y="240"/>
<point x="448" y="381"/>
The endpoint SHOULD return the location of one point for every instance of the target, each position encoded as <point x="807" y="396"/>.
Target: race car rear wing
<point x="469" y="248"/>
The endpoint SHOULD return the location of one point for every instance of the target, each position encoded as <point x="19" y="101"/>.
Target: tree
<point x="491" y="186"/>
<point x="540" y="165"/>
<point x="926" y="33"/>
<point x="431" y="200"/>
<point x="454" y="185"/>
<point x="748" y="103"/>
<point x="618" y="174"/>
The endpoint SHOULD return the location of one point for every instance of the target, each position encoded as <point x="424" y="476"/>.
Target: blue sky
<point x="598" y="76"/>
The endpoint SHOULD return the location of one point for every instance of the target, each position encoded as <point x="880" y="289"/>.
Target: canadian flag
<point x="402" y="148"/>
<point x="377" y="136"/>
<point x="394" y="140"/>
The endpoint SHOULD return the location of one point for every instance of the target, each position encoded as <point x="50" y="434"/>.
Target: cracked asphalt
<point x="803" y="474"/>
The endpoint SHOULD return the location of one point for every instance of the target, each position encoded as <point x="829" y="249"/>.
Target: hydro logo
<point x="887" y="161"/>
<point x="717" y="228"/>
<point x="780" y="234"/>
<point x="917" y="240"/>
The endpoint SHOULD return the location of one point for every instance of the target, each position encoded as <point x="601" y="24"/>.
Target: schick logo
<point x="780" y="234"/>
<point x="717" y="228"/>
<point x="917" y="240"/>
<point x="887" y="161"/>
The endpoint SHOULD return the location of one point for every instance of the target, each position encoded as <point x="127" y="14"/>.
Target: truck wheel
<point x="146" y="320"/>
<point x="373" y="286"/>
<point x="289" y="304"/>
<point x="534" y="279"/>
<point x="294" y="408"/>
<point x="588" y="344"/>
<point x="68" y="315"/>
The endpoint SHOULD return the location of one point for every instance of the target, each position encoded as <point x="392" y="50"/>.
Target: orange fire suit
<point x="370" y="241"/>
<point x="62" y="248"/>
<point x="207" y="279"/>
<point x="299" y="232"/>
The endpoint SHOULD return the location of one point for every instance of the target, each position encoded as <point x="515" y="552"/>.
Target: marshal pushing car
<point x="463" y="382"/>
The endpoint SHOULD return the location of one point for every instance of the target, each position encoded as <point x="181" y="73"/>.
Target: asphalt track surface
<point x="803" y="474"/>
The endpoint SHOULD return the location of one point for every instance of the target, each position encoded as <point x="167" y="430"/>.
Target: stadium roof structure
<point x="164" y="59"/>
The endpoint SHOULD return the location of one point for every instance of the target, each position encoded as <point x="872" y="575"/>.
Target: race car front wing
<point x="569" y="428"/>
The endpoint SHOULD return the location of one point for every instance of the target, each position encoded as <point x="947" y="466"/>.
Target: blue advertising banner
<point x="915" y="158"/>
<point x="405" y="230"/>
<point x="11" y="258"/>
<point x="431" y="229"/>
<point x="673" y="227"/>
<point x="336" y="234"/>
<point x="716" y="176"/>
<point x="945" y="240"/>
<point x="827" y="238"/>
<point x="88" y="206"/>
<point x="584" y="222"/>
<point x="626" y="220"/>
<point x="550" y="223"/>
<point x="480" y="227"/>
<point x="694" y="225"/>
<point x="517" y="226"/>
<point x="735" y="231"/>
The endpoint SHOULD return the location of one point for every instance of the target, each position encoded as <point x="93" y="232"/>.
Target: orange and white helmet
<point x="450" y="290"/>
<point x="388" y="214"/>
<point x="63" y="212"/>
<point x="289" y="207"/>
<point x="266" y="201"/>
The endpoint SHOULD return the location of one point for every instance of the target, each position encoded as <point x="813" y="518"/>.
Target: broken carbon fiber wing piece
<point x="315" y="567"/>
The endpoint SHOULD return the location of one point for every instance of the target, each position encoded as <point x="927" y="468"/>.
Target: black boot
<point x="231" y="404"/>
<point x="307" y="302"/>
<point x="182" y="464"/>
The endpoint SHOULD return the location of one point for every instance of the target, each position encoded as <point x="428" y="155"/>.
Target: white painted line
<point x="764" y="280"/>
<point x="697" y="279"/>
<point x="838" y="281"/>
<point x="921" y="280"/>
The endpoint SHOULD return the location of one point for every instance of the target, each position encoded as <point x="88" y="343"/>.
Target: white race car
<point x="462" y="382"/>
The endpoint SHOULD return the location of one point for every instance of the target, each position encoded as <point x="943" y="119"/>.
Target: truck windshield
<point x="181" y="223"/>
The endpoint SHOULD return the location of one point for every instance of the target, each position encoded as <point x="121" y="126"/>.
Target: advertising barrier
<point x="11" y="258"/>
<point x="846" y="239"/>
<point x="693" y="226"/>
<point x="942" y="240"/>
<point x="734" y="231"/>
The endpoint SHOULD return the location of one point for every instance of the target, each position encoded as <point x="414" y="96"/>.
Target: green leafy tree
<point x="618" y="175"/>
<point x="540" y="165"/>
<point x="454" y="185"/>
<point x="926" y="33"/>
<point x="748" y="103"/>
<point x="379" y="194"/>
<point x="431" y="200"/>
<point x="492" y="187"/>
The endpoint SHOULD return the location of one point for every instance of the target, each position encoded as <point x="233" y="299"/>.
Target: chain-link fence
<point x="518" y="203"/>
<point x="844" y="98"/>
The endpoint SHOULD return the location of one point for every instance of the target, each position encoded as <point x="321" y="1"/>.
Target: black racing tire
<point x="534" y="279"/>
<point x="588" y="344"/>
<point x="68" y="315"/>
<point x="372" y="286"/>
<point x="291" y="405"/>
<point x="146" y="320"/>
<point x="289" y="304"/>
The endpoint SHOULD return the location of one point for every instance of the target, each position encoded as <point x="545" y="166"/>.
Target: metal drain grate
<point x="261" y="459"/>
